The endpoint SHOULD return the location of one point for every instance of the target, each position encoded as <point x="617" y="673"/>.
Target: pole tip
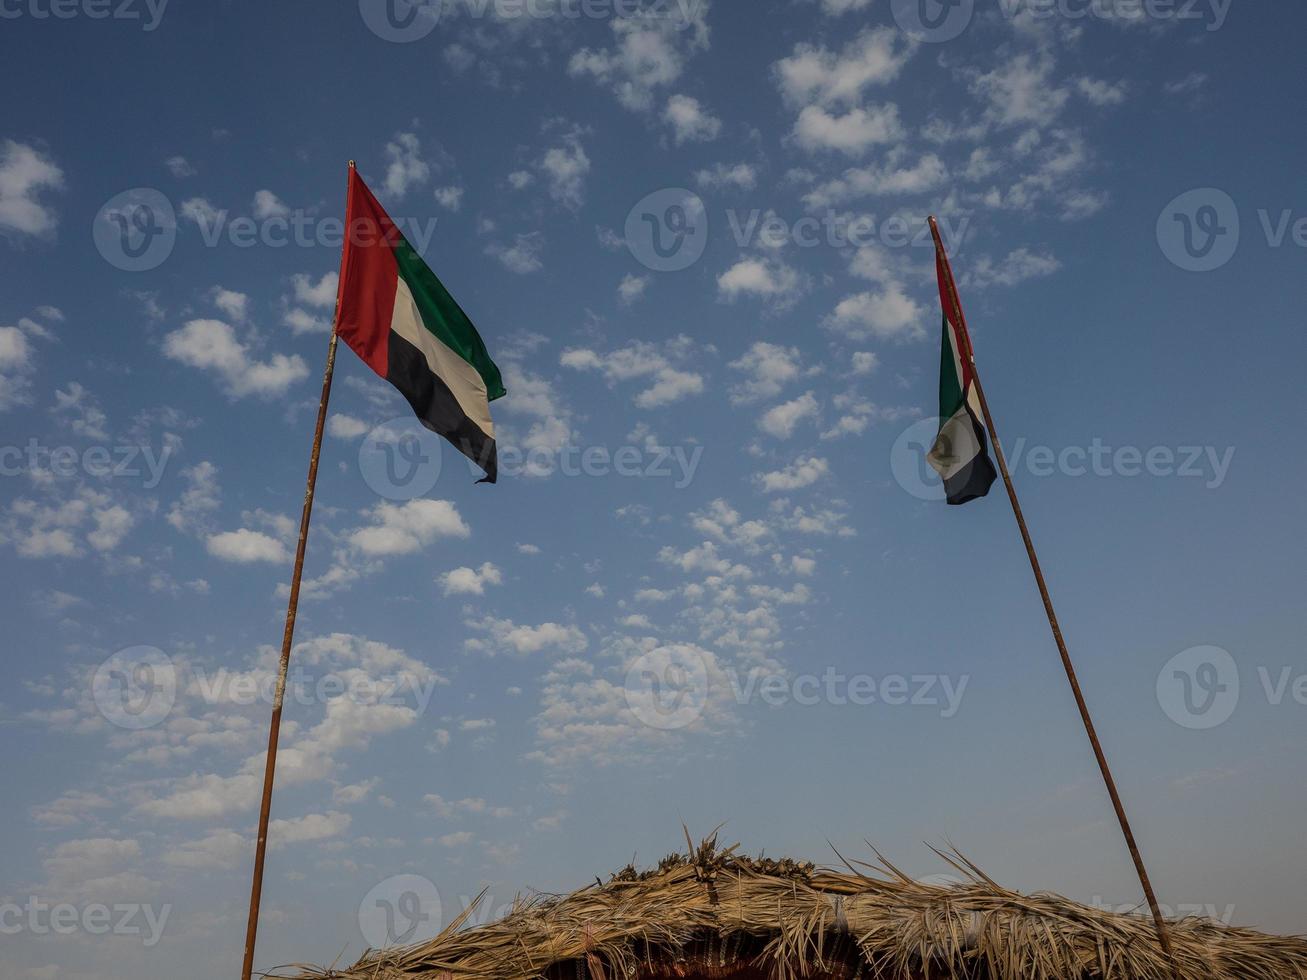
<point x="930" y="220"/>
<point x="351" y="165"/>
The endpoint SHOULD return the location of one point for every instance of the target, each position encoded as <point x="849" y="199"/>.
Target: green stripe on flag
<point x="445" y="318"/>
<point x="950" y="385"/>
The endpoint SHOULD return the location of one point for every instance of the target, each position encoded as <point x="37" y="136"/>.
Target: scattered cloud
<point x="523" y="256"/>
<point x="658" y="367"/>
<point x="782" y="420"/>
<point x="803" y="472"/>
<point x="212" y="345"/>
<point x="405" y="167"/>
<point x="26" y="174"/>
<point x="690" y="121"/>
<point x="470" y="581"/>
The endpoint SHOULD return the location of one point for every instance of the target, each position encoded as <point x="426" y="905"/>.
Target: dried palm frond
<point x="711" y="912"/>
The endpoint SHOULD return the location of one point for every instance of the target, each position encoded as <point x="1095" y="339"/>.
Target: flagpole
<point x="288" y="636"/>
<point x="1163" y="934"/>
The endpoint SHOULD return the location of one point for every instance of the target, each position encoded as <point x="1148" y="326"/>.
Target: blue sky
<point x="714" y="583"/>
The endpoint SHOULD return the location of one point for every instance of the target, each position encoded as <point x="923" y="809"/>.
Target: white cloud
<point x="200" y="211"/>
<point x="302" y="322"/>
<point x="1101" y="93"/>
<point x="767" y="368"/>
<point x="211" y="345"/>
<point x="643" y="361"/>
<point x="193" y="510"/>
<point x="703" y="559"/>
<point x="721" y="175"/>
<point x="506" y="636"/>
<point x="550" y="427"/>
<point x="863" y="362"/>
<point x="268" y="205"/>
<point x="450" y="198"/>
<point x="927" y="174"/>
<point x="180" y="167"/>
<point x="856" y="413"/>
<point x="401" y="529"/>
<point x="220" y="849"/>
<point x="631" y="288"/>
<point x="722" y="522"/>
<point x="565" y="168"/>
<point x="690" y="121"/>
<point x="1189" y="85"/>
<point x="85" y="416"/>
<point x="405" y="168"/>
<point x="671" y="386"/>
<point x="25" y="173"/>
<point x="1020" y="265"/>
<point x="17" y="360"/>
<point x="523" y="256"/>
<point x="814" y="75"/>
<point x="320" y="294"/>
<point x="647" y="54"/>
<point x="72" y="808"/>
<point x="470" y="581"/>
<point x="1021" y="92"/>
<point x="834" y="8"/>
<point x="342" y="426"/>
<point x="15" y="350"/>
<point x="59" y="529"/>
<point x="355" y="793"/>
<point x="235" y="305"/>
<point x="782" y="420"/>
<point x="886" y="314"/>
<point x="853" y="132"/>
<point x="246" y="546"/>
<point x="803" y="472"/>
<point x="313" y="827"/>
<point x="458" y="57"/>
<point x="767" y="279"/>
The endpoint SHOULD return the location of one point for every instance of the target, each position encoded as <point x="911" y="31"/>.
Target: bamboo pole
<point x="959" y="319"/>
<point x="288" y="637"/>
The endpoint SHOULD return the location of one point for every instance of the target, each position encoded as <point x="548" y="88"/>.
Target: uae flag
<point x="396" y="315"/>
<point x="960" y="454"/>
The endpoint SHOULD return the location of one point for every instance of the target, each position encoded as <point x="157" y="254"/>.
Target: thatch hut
<point x="712" y="915"/>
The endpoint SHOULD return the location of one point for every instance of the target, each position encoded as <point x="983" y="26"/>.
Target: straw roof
<point x="711" y="913"/>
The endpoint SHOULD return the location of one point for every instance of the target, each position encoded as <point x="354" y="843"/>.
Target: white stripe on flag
<point x="461" y="377"/>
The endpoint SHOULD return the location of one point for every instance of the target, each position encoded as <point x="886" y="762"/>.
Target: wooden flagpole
<point x="1163" y="935"/>
<point x="288" y="636"/>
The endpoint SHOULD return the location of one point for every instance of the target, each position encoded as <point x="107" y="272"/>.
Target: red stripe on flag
<point x="369" y="275"/>
<point x="951" y="304"/>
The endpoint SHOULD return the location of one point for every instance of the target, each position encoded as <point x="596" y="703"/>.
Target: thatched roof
<point x="713" y="914"/>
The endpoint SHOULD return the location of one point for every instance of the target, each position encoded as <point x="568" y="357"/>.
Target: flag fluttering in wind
<point x="960" y="455"/>
<point x="399" y="318"/>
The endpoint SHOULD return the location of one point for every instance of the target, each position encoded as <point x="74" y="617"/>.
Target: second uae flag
<point x="399" y="318"/>
<point x="961" y="454"/>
